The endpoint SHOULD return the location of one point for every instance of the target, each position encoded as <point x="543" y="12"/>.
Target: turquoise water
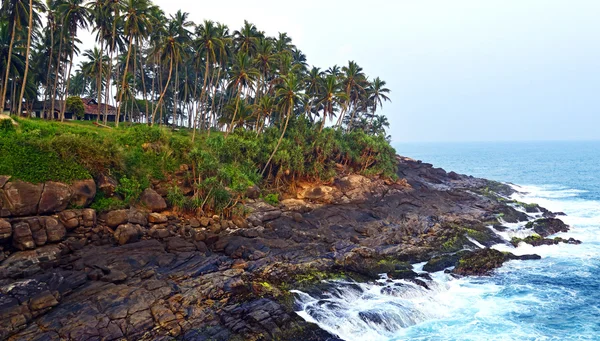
<point x="555" y="298"/>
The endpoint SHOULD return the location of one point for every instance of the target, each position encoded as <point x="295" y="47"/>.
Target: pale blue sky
<point x="460" y="70"/>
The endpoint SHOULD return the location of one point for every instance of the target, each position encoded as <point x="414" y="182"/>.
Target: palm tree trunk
<point x="47" y="91"/>
<point x="175" y="85"/>
<point x="278" y="141"/>
<point x="66" y="94"/>
<point x="57" y="71"/>
<point x="324" y="118"/>
<point x="99" y="79"/>
<point x="237" y="102"/>
<point x="123" y="81"/>
<point x="143" y="76"/>
<point x="26" y="58"/>
<point x="7" y="73"/>
<point x="151" y="118"/>
<point x="166" y="86"/>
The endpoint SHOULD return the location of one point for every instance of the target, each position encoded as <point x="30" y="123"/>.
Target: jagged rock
<point x="116" y="218"/>
<point x="106" y="185"/>
<point x="55" y="197"/>
<point x="43" y="300"/>
<point x="84" y="192"/>
<point x="5" y="229"/>
<point x="3" y="180"/>
<point x="152" y="200"/>
<point x="548" y="226"/>
<point x="22" y="236"/>
<point x="157" y="218"/>
<point x="21" y="198"/>
<point x="55" y="230"/>
<point x="127" y="233"/>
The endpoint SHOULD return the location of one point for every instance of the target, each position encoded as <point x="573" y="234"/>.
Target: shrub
<point x="75" y="105"/>
<point x="272" y="199"/>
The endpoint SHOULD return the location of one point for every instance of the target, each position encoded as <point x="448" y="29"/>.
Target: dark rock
<point x="55" y="230"/>
<point x="55" y="197"/>
<point x="177" y="244"/>
<point x="548" y="226"/>
<point x="440" y="263"/>
<point x="240" y="222"/>
<point x="22" y="236"/>
<point x="253" y="192"/>
<point x="137" y="217"/>
<point x="84" y="192"/>
<point x="69" y="218"/>
<point x="106" y="185"/>
<point x="5" y="229"/>
<point x="152" y="200"/>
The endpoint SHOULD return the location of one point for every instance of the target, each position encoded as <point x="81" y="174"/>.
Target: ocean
<point x="555" y="298"/>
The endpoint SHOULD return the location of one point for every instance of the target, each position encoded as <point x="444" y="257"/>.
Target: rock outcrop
<point x="70" y="274"/>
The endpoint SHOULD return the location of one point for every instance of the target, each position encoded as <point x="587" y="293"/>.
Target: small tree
<point x="75" y="105"/>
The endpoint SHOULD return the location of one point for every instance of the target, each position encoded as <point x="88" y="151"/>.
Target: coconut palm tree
<point x="332" y="96"/>
<point x="377" y="94"/>
<point x="288" y="94"/>
<point x="354" y="81"/>
<point x="96" y="66"/>
<point x="246" y="38"/>
<point x="136" y="19"/>
<point x="30" y="26"/>
<point x="242" y="75"/>
<point x="75" y="15"/>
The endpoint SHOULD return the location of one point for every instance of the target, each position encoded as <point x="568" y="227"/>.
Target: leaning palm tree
<point x="243" y="75"/>
<point x="136" y="20"/>
<point x="288" y="94"/>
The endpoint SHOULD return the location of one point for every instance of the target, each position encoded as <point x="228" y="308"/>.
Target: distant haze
<point x="459" y="70"/>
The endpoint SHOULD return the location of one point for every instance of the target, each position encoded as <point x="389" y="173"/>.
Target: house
<point x="92" y="109"/>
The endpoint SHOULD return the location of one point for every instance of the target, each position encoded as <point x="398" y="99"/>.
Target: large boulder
<point x="548" y="226"/>
<point x="55" y="197"/>
<point x="106" y="185"/>
<point x="84" y="192"/>
<point x="153" y="201"/>
<point x="21" y="198"/>
<point x="55" y="230"/>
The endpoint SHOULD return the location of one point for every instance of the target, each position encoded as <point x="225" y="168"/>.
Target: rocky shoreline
<point x="148" y="273"/>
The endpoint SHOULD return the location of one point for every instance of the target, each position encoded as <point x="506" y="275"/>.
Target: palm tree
<point x="246" y="38"/>
<point x="288" y="93"/>
<point x="208" y="43"/>
<point x="29" y="35"/>
<point x="378" y="94"/>
<point x="332" y="96"/>
<point x="354" y="81"/>
<point x="17" y="62"/>
<point x="243" y="75"/>
<point x="101" y="17"/>
<point x="313" y="83"/>
<point x="96" y="66"/>
<point x="179" y="25"/>
<point x="136" y="21"/>
<point x="264" y="61"/>
<point x="263" y="110"/>
<point x="75" y="15"/>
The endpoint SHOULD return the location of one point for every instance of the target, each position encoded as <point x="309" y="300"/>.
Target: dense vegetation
<point x="219" y="169"/>
<point x="244" y="108"/>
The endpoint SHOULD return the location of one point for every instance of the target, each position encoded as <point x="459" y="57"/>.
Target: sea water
<point x="555" y="298"/>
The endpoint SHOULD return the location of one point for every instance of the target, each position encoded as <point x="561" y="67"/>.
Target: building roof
<point x="91" y="106"/>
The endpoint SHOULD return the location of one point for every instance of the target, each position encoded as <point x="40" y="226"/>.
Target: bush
<point x="75" y="105"/>
<point x="272" y="199"/>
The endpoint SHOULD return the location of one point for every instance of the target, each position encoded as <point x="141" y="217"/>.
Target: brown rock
<point x="177" y="244"/>
<point x="114" y="276"/>
<point x="84" y="192"/>
<point x="116" y="218"/>
<point x="157" y="218"/>
<point x="5" y="229"/>
<point x="127" y="233"/>
<point x="21" y="198"/>
<point x="253" y="192"/>
<point x="298" y="217"/>
<point x="22" y="237"/>
<point x="54" y="230"/>
<point x="55" y="197"/>
<point x="106" y="185"/>
<point x="69" y="218"/>
<point x="38" y="232"/>
<point x="88" y="216"/>
<point x="204" y="221"/>
<point x="194" y="223"/>
<point x="3" y="180"/>
<point x="153" y="200"/>
<point x="240" y="222"/>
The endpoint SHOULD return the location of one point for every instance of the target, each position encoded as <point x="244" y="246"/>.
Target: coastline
<point x="237" y="282"/>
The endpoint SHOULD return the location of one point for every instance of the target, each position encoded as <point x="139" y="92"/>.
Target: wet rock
<point x="127" y="233"/>
<point x="21" y="198"/>
<point x="55" y="197"/>
<point x="84" y="192"/>
<point x="482" y="262"/>
<point x="548" y="226"/>
<point x="440" y="263"/>
<point x="152" y="200"/>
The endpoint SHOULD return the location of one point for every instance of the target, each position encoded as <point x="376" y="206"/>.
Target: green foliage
<point x="129" y="189"/>
<point x="75" y="106"/>
<point x="272" y="199"/>
<point x="6" y="126"/>
<point x="104" y="204"/>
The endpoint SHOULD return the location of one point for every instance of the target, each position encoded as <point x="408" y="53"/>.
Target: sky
<point x="459" y="70"/>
